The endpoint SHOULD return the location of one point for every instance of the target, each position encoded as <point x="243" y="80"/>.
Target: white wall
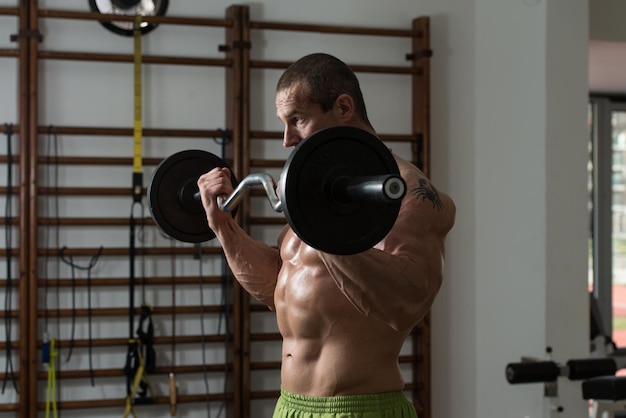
<point x="530" y="258"/>
<point x="509" y="144"/>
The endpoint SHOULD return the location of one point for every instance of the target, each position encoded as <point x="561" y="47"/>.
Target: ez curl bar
<point x="340" y="191"/>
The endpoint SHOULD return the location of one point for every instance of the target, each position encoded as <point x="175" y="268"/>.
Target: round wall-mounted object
<point x="129" y="8"/>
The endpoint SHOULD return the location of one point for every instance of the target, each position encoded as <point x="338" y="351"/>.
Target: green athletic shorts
<point x="383" y="405"/>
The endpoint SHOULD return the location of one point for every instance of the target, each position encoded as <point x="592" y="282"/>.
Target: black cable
<point x="224" y="138"/>
<point x="225" y="315"/>
<point x="88" y="268"/>
<point x="8" y="300"/>
<point x="225" y="302"/>
<point x="73" y="272"/>
<point x="202" y="332"/>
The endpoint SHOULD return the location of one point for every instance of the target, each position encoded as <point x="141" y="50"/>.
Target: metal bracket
<point x="418" y="146"/>
<point x="235" y="45"/>
<point x="424" y="53"/>
<point x="27" y="33"/>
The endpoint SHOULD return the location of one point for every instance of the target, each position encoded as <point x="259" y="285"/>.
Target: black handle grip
<point x="532" y="372"/>
<point x="588" y="368"/>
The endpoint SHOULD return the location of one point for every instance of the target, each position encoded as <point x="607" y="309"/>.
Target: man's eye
<point x="297" y="120"/>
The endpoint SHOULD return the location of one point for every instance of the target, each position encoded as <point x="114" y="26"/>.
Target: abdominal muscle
<point x="329" y="348"/>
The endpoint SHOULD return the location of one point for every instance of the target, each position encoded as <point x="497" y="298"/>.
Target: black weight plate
<point x="321" y="221"/>
<point x="170" y="195"/>
<point x="129" y="8"/>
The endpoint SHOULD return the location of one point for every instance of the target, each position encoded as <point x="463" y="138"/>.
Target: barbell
<point x="340" y="191"/>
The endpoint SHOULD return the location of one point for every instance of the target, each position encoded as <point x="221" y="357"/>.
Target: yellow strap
<point x="139" y="376"/>
<point x="137" y="190"/>
<point x="133" y="393"/>
<point x="51" y="392"/>
<point x="129" y="409"/>
<point x="137" y="132"/>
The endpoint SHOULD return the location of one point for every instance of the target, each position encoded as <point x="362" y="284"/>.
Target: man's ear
<point x="344" y="107"/>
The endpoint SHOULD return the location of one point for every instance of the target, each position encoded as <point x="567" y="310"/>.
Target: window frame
<point x="601" y="199"/>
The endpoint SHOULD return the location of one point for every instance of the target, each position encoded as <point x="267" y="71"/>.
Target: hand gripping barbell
<point x="340" y="191"/>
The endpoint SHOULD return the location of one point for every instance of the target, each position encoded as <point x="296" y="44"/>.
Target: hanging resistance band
<point x="73" y="267"/>
<point x="8" y="295"/>
<point x="49" y="354"/>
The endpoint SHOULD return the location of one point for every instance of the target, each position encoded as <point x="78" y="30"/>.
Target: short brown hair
<point x="325" y="77"/>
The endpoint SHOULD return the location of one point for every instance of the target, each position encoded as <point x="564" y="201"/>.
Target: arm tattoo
<point x="426" y="190"/>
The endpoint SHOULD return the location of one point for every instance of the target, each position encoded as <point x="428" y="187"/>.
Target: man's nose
<point x="290" y="138"/>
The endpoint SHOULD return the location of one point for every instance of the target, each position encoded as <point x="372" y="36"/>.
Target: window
<point x="607" y="214"/>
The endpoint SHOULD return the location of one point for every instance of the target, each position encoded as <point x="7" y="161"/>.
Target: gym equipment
<point x="340" y="191"/>
<point x="599" y="385"/>
<point x="549" y="371"/>
<point x="129" y="8"/>
<point x="173" y="199"/>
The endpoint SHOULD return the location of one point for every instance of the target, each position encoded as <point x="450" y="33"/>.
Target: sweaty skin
<point x="343" y="319"/>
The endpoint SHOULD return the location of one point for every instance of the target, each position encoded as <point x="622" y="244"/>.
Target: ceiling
<point x="607" y="67"/>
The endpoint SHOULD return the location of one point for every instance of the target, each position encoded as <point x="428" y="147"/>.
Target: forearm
<point x="254" y="264"/>
<point x="395" y="289"/>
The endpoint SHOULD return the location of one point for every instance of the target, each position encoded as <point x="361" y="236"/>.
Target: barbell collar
<point x="384" y="188"/>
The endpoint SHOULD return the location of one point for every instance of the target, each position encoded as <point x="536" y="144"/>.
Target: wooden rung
<point x="157" y="310"/>
<point x="175" y="20"/>
<point x="124" y="281"/>
<point x="159" y="400"/>
<point x="10" y="11"/>
<point x="85" y="191"/>
<point x="92" y="161"/>
<point x="118" y="131"/>
<point x="333" y="29"/>
<point x="123" y="342"/>
<point x="5" y="407"/>
<point x="128" y="58"/>
<point x="266" y="336"/>
<point x="91" y="221"/>
<point x="122" y="251"/>
<point x="277" y="135"/>
<point x="119" y="372"/>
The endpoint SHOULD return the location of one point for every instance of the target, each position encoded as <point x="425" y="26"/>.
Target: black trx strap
<point x="8" y="299"/>
<point x="141" y="358"/>
<point x="143" y="347"/>
<point x="146" y="338"/>
<point x="88" y="268"/>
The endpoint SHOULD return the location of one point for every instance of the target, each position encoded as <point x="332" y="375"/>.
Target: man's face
<point x="300" y="116"/>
